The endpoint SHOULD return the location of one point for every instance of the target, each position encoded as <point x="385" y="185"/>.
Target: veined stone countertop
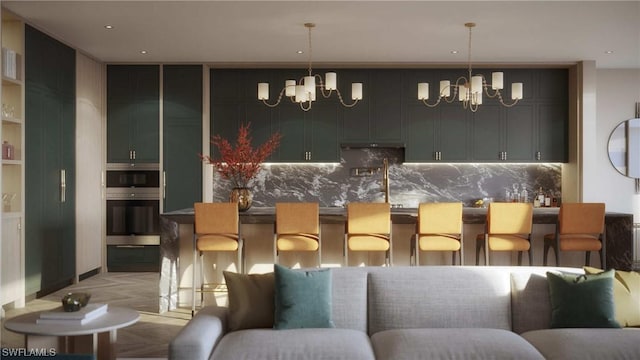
<point x="328" y="215"/>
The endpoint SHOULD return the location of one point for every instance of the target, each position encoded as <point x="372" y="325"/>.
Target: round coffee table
<point x="97" y="336"/>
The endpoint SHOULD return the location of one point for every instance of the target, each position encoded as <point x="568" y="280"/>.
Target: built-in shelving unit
<point x="12" y="139"/>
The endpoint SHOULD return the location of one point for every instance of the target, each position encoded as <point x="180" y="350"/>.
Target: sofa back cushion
<point x="349" y="298"/>
<point x="439" y="297"/>
<point x="530" y="301"/>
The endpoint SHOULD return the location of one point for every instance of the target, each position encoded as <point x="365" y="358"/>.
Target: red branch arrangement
<point x="240" y="164"/>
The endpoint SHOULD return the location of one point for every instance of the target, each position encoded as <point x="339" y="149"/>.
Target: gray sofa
<point x="428" y="312"/>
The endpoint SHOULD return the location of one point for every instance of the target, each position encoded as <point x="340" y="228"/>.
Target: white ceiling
<point x="348" y="33"/>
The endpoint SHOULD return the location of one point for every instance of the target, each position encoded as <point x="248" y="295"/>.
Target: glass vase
<point x="243" y="197"/>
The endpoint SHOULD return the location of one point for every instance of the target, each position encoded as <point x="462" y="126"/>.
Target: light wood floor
<point x="148" y="338"/>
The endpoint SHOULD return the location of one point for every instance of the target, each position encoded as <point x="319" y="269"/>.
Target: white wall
<point x="617" y="92"/>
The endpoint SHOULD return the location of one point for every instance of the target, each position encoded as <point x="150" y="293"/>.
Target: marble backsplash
<point x="358" y="177"/>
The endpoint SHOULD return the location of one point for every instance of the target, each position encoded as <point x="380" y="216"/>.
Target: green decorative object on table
<point x="75" y="301"/>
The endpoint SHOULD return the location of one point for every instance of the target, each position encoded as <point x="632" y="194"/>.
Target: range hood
<point x="372" y="145"/>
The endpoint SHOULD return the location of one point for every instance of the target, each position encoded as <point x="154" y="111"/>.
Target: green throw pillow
<point x="250" y="300"/>
<point x="582" y="301"/>
<point x="302" y="298"/>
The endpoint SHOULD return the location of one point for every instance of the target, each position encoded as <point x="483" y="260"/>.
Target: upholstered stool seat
<point x="297" y="228"/>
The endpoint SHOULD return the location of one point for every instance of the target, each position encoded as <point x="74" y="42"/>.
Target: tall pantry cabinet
<point x="12" y="251"/>
<point x="50" y="163"/>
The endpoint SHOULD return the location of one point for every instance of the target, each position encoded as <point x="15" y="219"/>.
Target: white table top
<point x="115" y="318"/>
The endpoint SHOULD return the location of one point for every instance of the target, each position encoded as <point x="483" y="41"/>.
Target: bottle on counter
<point x="547" y="199"/>
<point x="540" y="196"/>
<point x="524" y="195"/>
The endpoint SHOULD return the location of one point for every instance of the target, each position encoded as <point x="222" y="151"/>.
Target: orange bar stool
<point x="297" y="228"/>
<point x="508" y="228"/>
<point x="580" y="227"/>
<point x="368" y="228"/>
<point x="439" y="228"/>
<point x="216" y="228"/>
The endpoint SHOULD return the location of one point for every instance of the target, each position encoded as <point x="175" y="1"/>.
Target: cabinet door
<point x="420" y="136"/>
<point x="292" y="128"/>
<point x="487" y="133"/>
<point x="355" y="120"/>
<point x="453" y="134"/>
<point x="322" y="133"/>
<point x="50" y="159"/>
<point x="12" y="284"/>
<point x="552" y="129"/>
<point x="520" y="133"/>
<point x="133" y="113"/>
<point x="182" y="134"/>
<point x="386" y="114"/>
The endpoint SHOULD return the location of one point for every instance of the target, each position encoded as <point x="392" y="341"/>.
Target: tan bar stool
<point x="508" y="228"/>
<point x="297" y="228"/>
<point x="439" y="228"/>
<point x="216" y="228"/>
<point x="580" y="227"/>
<point x="368" y="228"/>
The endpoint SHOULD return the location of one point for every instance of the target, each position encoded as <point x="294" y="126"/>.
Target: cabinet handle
<point x="505" y="155"/>
<point x="63" y="186"/>
<point x="130" y="154"/>
<point x="439" y="155"/>
<point x="164" y="185"/>
<point x="134" y="154"/>
<point x="538" y="155"/>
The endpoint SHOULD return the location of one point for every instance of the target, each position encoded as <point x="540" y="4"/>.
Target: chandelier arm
<point x="424" y="101"/>
<point x="325" y="93"/>
<point x="342" y="101"/>
<point x="305" y="108"/>
<point x="515" y="101"/>
<point x="277" y="101"/>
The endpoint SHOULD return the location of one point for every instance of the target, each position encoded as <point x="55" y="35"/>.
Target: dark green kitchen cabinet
<point x="49" y="163"/>
<point x="535" y="129"/>
<point x="133" y="114"/>
<point x="307" y="136"/>
<point x="436" y="136"/>
<point x="182" y="136"/>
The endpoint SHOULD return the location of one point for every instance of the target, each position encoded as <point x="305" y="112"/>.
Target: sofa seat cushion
<point x="586" y="344"/>
<point x="451" y="343"/>
<point x="294" y="344"/>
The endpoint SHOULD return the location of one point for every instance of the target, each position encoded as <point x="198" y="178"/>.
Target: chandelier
<point x="303" y="92"/>
<point x="468" y="90"/>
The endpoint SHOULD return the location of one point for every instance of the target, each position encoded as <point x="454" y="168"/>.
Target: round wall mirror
<point x="624" y="148"/>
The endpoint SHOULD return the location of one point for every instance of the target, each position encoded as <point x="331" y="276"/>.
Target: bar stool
<point x="508" y="228"/>
<point x="439" y="228"/>
<point x="216" y="228"/>
<point x="368" y="228"/>
<point x="297" y="228"/>
<point x="580" y="227"/>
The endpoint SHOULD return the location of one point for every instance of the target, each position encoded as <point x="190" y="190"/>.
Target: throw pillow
<point x="626" y="295"/>
<point x="584" y="301"/>
<point x="302" y="298"/>
<point x="250" y="300"/>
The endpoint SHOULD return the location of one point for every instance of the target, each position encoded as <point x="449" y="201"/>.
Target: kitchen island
<point x="176" y="245"/>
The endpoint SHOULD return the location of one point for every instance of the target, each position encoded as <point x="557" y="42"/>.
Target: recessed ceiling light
<point x="108" y="27"/>
<point x="143" y="52"/>
<point x="609" y="52"/>
<point x="299" y="52"/>
<point x="454" y="51"/>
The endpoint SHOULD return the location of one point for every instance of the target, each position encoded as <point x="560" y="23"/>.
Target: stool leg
<point x="193" y="282"/>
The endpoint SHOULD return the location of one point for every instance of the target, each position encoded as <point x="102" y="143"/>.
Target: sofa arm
<point x="196" y="340"/>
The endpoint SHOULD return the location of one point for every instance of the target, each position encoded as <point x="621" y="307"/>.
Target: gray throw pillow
<point x="302" y="298"/>
<point x="250" y="300"/>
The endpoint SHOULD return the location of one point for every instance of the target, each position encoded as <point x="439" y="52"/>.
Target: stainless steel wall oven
<point x="133" y="217"/>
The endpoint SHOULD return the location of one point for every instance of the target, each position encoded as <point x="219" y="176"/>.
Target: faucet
<point x="385" y="179"/>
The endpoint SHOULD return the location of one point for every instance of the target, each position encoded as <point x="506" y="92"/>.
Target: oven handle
<point x="63" y="186"/>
